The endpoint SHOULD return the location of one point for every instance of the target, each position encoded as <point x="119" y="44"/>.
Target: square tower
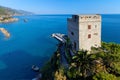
<point x="84" y="31"/>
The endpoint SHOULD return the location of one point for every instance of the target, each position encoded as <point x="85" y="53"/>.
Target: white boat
<point x="35" y="68"/>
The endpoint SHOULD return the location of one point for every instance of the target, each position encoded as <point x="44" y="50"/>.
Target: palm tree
<point x="83" y="62"/>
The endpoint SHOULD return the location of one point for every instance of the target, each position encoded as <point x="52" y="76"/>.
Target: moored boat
<point x="35" y="68"/>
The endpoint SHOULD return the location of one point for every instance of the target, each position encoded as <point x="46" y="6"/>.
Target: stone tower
<point x="84" y="31"/>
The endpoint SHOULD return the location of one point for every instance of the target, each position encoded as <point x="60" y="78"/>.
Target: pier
<point x="59" y="37"/>
<point x="5" y="32"/>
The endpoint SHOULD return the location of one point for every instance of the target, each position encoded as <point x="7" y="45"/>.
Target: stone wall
<point x="79" y="26"/>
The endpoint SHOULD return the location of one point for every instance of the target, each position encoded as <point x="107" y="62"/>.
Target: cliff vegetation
<point x="102" y="64"/>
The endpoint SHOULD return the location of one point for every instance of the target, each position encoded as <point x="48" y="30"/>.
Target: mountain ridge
<point x="13" y="12"/>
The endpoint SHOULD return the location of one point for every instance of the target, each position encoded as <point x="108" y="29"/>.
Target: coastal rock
<point x="5" y="32"/>
<point x="8" y="20"/>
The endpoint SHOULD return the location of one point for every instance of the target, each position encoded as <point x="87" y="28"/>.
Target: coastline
<point x="7" y="19"/>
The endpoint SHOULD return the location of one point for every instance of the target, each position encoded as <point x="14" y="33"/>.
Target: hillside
<point x="9" y="11"/>
<point x="102" y="64"/>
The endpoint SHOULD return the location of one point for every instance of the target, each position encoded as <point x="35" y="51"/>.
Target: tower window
<point x="89" y="26"/>
<point x="95" y="26"/>
<point x="89" y="36"/>
<point x="72" y="33"/>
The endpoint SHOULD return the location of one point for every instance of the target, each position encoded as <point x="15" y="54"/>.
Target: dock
<point x="59" y="37"/>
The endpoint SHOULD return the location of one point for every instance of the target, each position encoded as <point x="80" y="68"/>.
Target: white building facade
<point x="84" y="31"/>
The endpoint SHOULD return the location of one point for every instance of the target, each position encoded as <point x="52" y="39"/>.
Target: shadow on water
<point x="18" y="63"/>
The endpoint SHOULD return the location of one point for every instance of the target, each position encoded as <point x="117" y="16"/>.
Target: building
<point x="84" y="31"/>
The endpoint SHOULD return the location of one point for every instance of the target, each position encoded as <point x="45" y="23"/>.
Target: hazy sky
<point x="64" y="6"/>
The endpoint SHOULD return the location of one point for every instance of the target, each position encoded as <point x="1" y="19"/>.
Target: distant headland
<point x="6" y="19"/>
<point x="13" y="12"/>
<point x="6" y="14"/>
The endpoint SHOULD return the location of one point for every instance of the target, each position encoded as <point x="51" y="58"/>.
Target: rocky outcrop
<point x="7" y="19"/>
<point x="5" y="32"/>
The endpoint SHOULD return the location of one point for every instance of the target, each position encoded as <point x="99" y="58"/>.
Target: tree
<point x="82" y="61"/>
<point x="59" y="74"/>
<point x="104" y="76"/>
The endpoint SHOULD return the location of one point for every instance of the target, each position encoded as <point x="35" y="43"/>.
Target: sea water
<point x="31" y="42"/>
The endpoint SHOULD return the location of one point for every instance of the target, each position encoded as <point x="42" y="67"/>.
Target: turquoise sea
<point x="31" y="42"/>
